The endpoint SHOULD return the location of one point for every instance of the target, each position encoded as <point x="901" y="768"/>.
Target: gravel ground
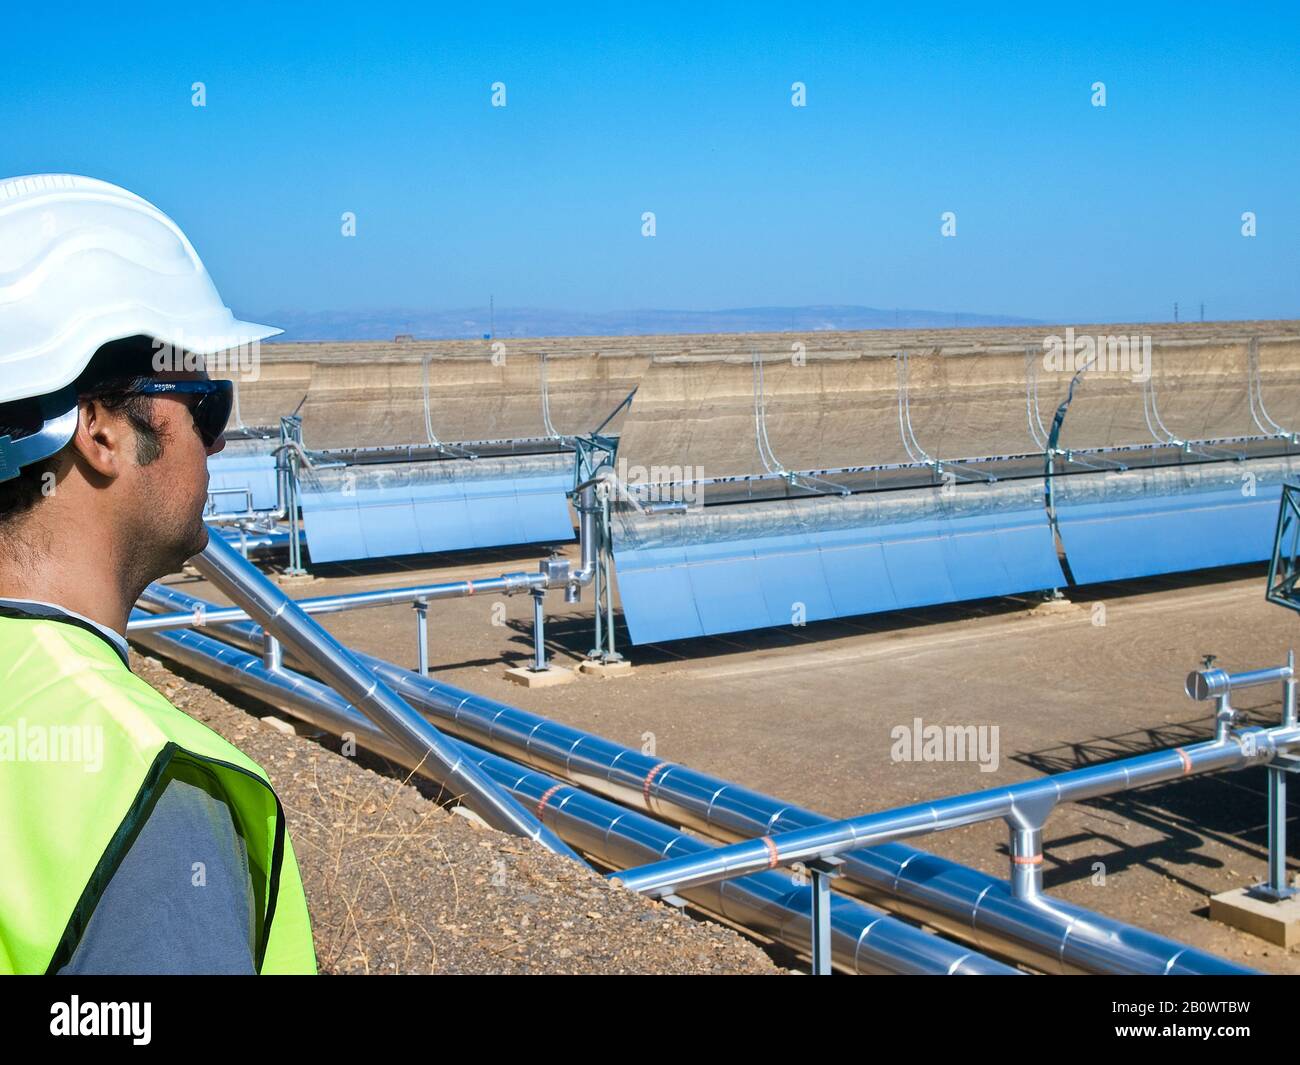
<point x="397" y="884"/>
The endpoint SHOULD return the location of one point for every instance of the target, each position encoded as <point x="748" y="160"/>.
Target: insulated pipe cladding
<point x="863" y="940"/>
<point x="587" y="505"/>
<point x="1025" y="807"/>
<point x="286" y="621"/>
<point x="1047" y="933"/>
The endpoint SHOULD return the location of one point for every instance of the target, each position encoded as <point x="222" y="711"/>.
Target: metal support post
<point x="597" y="652"/>
<point x="539" y="631"/>
<point x="1289" y="693"/>
<point x="1026" y="860"/>
<point x="611" y="655"/>
<point x="287" y="466"/>
<point x="296" y="567"/>
<point x="1277" y="889"/>
<point x="823" y="871"/>
<point x="1223" y="719"/>
<point x="422" y="635"/>
<point x="272" y="653"/>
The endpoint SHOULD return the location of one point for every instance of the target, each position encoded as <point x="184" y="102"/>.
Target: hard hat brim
<point x="40" y="375"/>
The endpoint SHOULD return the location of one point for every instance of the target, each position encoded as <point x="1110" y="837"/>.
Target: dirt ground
<point x="806" y="714"/>
<point x="396" y="884"/>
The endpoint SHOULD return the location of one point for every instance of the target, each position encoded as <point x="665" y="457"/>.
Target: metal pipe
<point x="248" y="514"/>
<point x="506" y="584"/>
<point x="254" y="541"/>
<point x="272" y="653"/>
<point x="552" y="573"/>
<point x="1047" y="933"/>
<point x="1026" y="861"/>
<point x="1025" y="807"/>
<point x="587" y="508"/>
<point x="281" y="617"/>
<point x="862" y="939"/>
<point x="1217" y="683"/>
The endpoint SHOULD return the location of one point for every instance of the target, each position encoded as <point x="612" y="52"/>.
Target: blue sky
<point x="1065" y="211"/>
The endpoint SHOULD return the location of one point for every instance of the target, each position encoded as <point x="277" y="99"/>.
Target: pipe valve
<point x="1208" y="684"/>
<point x="1215" y="683"/>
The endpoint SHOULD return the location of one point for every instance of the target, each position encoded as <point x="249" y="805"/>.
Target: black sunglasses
<point x="211" y="412"/>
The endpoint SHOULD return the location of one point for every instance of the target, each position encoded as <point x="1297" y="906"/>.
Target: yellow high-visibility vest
<point x="86" y="750"/>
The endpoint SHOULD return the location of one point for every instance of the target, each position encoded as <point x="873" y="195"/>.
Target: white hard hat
<point x="82" y="263"/>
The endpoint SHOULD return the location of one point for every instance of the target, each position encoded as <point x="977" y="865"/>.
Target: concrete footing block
<point x="280" y="725"/>
<point x="593" y="668"/>
<point x="470" y="816"/>
<point x="1050" y="607"/>
<point x="548" y="678"/>
<point x="1275" y="922"/>
<point x="291" y="580"/>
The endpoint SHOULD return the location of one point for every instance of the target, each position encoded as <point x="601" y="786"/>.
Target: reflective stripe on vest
<point x="86" y="749"/>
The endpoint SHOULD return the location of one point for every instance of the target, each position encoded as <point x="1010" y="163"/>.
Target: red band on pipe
<point x="1036" y="859"/>
<point x="649" y="779"/>
<point x="773" y="859"/>
<point x="541" y="804"/>
<point x="1187" y="762"/>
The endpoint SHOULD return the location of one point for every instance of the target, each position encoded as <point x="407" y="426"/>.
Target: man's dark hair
<point x="113" y="376"/>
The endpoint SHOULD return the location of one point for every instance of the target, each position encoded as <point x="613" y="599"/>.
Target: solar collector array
<point x="243" y="475"/>
<point x="376" y="511"/>
<point x="780" y="563"/>
<point x="733" y="565"/>
<point x="1144" y="522"/>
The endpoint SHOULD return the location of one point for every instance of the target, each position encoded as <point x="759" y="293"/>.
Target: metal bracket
<point x="1285" y="763"/>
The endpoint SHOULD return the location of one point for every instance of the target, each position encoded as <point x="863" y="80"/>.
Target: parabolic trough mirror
<point x="409" y="450"/>
<point x="764" y="491"/>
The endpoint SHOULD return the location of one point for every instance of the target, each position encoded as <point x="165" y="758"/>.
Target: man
<point x="135" y="839"/>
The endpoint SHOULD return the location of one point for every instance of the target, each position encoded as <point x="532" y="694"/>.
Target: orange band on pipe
<point x="1187" y="762"/>
<point x="773" y="859"/>
<point x="470" y="586"/>
<point x="1036" y="859"/>
<point x="546" y="797"/>
<point x="649" y="779"/>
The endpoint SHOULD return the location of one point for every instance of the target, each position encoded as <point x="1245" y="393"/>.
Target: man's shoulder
<point x="58" y="674"/>
<point x="56" y="645"/>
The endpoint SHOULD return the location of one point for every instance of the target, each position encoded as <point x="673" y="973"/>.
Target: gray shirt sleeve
<point x="181" y="902"/>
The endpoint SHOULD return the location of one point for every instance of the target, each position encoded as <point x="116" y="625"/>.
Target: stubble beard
<point x="159" y="548"/>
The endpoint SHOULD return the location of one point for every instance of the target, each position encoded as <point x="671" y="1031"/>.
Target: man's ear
<point x="101" y="439"/>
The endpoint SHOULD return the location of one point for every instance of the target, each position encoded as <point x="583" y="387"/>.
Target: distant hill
<point x="536" y="322"/>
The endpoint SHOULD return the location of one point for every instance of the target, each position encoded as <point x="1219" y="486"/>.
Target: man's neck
<point x="80" y="573"/>
<point x="98" y="604"/>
